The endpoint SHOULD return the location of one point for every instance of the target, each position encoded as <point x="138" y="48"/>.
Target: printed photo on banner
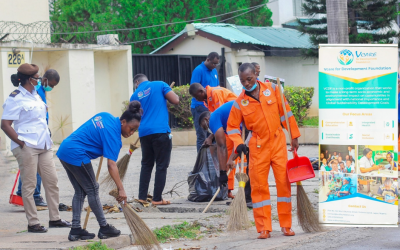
<point x="335" y="186"/>
<point x="380" y="188"/>
<point x="337" y="158"/>
<point x="375" y="160"/>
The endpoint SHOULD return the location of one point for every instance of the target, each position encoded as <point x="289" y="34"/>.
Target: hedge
<point x="299" y="99"/>
<point x="182" y="111"/>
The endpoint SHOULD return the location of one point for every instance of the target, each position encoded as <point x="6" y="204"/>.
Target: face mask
<point x="48" y="88"/>
<point x="252" y="88"/>
<point x="39" y="83"/>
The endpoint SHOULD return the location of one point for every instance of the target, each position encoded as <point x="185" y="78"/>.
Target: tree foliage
<point x="125" y="14"/>
<point x="369" y="22"/>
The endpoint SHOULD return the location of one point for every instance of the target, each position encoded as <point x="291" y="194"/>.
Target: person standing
<point x="154" y="133"/>
<point x="206" y="74"/>
<point x="258" y="69"/>
<point x="31" y="145"/>
<point x="99" y="136"/>
<point x="260" y="108"/>
<point x="49" y="80"/>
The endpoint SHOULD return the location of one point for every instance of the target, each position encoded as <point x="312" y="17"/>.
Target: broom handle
<point x="215" y="196"/>
<point x="242" y="156"/>
<point x="137" y="140"/>
<point x="88" y="209"/>
<point x="286" y="117"/>
<point x="172" y="84"/>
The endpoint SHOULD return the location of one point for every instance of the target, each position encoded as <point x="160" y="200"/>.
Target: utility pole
<point x="337" y="17"/>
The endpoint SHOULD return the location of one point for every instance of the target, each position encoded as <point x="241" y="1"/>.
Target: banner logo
<point x="345" y="57"/>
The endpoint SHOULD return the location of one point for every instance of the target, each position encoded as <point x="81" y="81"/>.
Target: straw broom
<point x="144" y="237"/>
<point x="306" y="216"/>
<point x="238" y="217"/>
<point x="107" y="182"/>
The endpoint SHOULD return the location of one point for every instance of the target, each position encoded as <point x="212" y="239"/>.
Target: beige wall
<point x="197" y="45"/>
<point x="93" y="79"/>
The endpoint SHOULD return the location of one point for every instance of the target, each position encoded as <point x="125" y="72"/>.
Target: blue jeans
<point x="200" y="132"/>
<point x="37" y="189"/>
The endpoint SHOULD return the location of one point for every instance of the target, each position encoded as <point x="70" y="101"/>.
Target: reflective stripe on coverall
<point x="267" y="148"/>
<point x="217" y="96"/>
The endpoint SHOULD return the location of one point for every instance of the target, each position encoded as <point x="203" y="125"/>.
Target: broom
<point x="144" y="237"/>
<point x="215" y="196"/>
<point x="306" y="216"/>
<point x="107" y="182"/>
<point x="238" y="217"/>
<point x="88" y="208"/>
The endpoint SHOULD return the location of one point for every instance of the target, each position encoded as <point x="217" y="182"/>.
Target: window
<point x="297" y="8"/>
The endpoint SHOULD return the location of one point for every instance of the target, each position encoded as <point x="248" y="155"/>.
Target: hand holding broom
<point x="238" y="217"/>
<point x="307" y="217"/>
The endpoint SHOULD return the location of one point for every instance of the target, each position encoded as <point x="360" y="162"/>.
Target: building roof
<point x="262" y="36"/>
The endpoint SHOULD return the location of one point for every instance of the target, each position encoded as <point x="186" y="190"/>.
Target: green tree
<point x="103" y="15"/>
<point x="369" y="22"/>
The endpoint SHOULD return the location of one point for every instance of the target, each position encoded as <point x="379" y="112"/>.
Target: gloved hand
<point x="241" y="149"/>
<point x="223" y="178"/>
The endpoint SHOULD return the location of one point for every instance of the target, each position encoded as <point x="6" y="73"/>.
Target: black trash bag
<point x="204" y="179"/>
<point x="315" y="162"/>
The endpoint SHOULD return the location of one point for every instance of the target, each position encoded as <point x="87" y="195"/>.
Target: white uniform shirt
<point x="352" y="154"/>
<point x="365" y="162"/>
<point x="28" y="112"/>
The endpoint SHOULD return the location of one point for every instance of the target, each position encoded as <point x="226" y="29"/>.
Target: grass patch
<point x="316" y="190"/>
<point x="184" y="230"/>
<point x="23" y="231"/>
<point x="311" y="122"/>
<point x="94" y="246"/>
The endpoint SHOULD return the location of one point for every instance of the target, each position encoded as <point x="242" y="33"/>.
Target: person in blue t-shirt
<point x="154" y="134"/>
<point x="99" y="136"/>
<point x="49" y="80"/>
<point x="217" y="122"/>
<point x="206" y="74"/>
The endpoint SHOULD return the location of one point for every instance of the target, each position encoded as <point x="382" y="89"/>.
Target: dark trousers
<point x="200" y="132"/>
<point x="155" y="148"/>
<point x="247" y="188"/>
<point x="36" y="194"/>
<point x="84" y="182"/>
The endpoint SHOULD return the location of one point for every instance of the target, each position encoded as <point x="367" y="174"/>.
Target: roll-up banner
<point x="358" y="135"/>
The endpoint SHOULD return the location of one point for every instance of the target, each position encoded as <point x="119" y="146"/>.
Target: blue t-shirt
<point x="219" y="118"/>
<point x="154" y="104"/>
<point x="42" y="94"/>
<point x="201" y="74"/>
<point x="100" y="136"/>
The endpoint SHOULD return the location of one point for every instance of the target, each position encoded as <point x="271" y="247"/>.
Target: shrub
<point x="182" y="110"/>
<point x="299" y="99"/>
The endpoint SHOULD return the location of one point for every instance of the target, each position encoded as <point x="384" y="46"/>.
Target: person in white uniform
<point x="31" y="145"/>
<point x="366" y="162"/>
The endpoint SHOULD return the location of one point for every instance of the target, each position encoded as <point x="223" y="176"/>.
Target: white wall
<point x="282" y="12"/>
<point x="24" y="11"/>
<point x="296" y="72"/>
<point x="197" y="45"/>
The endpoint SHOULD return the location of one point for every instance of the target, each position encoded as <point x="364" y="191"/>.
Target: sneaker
<point x="40" y="202"/>
<point x="108" y="232"/>
<point x="249" y="204"/>
<point x="60" y="223"/>
<point x="79" y="234"/>
<point x="37" y="229"/>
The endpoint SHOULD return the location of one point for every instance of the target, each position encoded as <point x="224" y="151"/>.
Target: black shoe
<point x="60" y="223"/>
<point x="40" y="202"/>
<point x="79" y="234"/>
<point x="37" y="229"/>
<point x="108" y="232"/>
<point x="249" y="204"/>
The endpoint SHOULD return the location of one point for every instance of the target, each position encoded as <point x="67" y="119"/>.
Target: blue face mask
<point x="252" y="88"/>
<point x="39" y="83"/>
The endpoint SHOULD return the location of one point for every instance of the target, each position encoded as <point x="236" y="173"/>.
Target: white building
<point x="277" y="50"/>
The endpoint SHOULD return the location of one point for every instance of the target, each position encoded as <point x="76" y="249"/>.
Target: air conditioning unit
<point x="109" y="39"/>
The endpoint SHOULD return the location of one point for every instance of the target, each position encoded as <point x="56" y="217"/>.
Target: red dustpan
<point x="299" y="168"/>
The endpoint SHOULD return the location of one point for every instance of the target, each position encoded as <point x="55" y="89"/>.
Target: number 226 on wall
<point x="15" y="60"/>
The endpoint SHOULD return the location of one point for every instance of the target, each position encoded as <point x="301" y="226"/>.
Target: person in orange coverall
<point x="214" y="97"/>
<point x="259" y="106"/>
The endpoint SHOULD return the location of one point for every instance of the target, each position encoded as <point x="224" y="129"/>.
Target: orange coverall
<point x="231" y="177"/>
<point x="217" y="96"/>
<point x="267" y="148"/>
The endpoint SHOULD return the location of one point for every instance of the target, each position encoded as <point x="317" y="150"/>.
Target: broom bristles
<point x="144" y="237"/>
<point x="306" y="215"/>
<point x="238" y="217"/>
<point x="107" y="182"/>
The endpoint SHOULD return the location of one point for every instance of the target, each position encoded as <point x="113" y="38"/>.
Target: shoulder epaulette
<point x="15" y="92"/>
